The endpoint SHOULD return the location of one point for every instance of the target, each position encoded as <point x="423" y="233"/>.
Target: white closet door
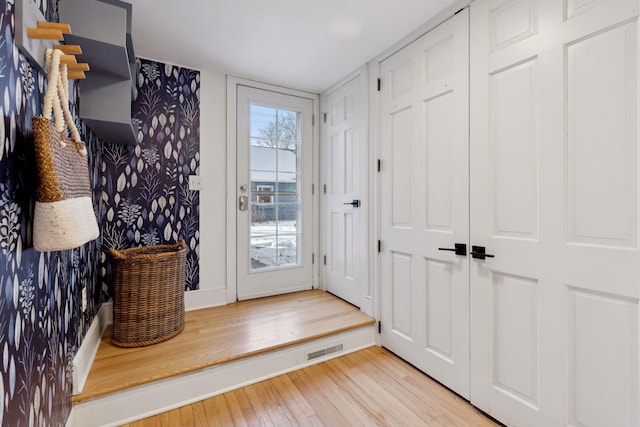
<point x="554" y="196"/>
<point x="425" y="203"/>
<point x="344" y="204"/>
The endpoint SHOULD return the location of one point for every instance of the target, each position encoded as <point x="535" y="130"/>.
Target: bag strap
<point x="57" y="99"/>
<point x="51" y="97"/>
<point x="63" y="93"/>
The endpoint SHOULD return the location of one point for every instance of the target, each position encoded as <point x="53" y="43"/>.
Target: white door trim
<point x="374" y="102"/>
<point x="232" y="84"/>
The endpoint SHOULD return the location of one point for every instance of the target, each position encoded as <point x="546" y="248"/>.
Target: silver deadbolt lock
<point x="243" y="188"/>
<point x="243" y="203"/>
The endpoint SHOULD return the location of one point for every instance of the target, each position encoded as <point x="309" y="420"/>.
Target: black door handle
<point x="354" y="203"/>
<point x="479" y="252"/>
<point x="460" y="249"/>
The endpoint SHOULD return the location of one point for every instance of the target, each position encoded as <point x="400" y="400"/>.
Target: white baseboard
<point x="196" y="300"/>
<point x="161" y="396"/>
<point x="83" y="360"/>
<point x="106" y="314"/>
<point x="71" y="419"/>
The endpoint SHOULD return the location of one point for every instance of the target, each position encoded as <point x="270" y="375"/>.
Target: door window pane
<point x="275" y="199"/>
<point x="287" y="159"/>
<point x="263" y="251"/>
<point x="288" y="250"/>
<point x="264" y="194"/>
<point x="288" y="135"/>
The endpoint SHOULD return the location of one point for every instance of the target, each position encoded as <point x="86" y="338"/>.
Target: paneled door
<point x="344" y="152"/>
<point x="274" y="202"/>
<point x="425" y="203"/>
<point x="554" y="202"/>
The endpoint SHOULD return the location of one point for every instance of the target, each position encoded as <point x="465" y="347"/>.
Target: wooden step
<point x="220" y="349"/>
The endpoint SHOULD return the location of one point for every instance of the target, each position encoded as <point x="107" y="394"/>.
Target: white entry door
<point x="344" y="152"/>
<point x="425" y="203"/>
<point x="554" y="201"/>
<point x="274" y="202"/>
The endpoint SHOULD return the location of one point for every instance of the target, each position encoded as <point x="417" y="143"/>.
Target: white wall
<point x="213" y="143"/>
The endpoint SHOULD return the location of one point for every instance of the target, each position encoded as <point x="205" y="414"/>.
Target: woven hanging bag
<point x="64" y="216"/>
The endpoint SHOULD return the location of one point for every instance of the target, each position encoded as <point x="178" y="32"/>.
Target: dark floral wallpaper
<point x="40" y="322"/>
<point x="146" y="187"/>
<point x="141" y="196"/>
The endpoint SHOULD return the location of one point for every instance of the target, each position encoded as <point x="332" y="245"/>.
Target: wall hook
<point x="69" y="49"/>
<point x="34" y="35"/>
<point x="62" y="27"/>
<point x="44" y="34"/>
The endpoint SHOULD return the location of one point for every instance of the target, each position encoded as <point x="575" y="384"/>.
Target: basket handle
<point x="115" y="253"/>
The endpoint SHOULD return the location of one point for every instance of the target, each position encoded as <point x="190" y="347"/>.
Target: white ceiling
<point x="301" y="44"/>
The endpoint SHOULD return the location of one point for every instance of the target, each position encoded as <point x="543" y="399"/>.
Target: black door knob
<point x="479" y="252"/>
<point x="460" y="249"/>
<point x="354" y="203"/>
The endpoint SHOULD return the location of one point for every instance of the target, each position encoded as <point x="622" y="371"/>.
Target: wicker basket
<point x="148" y="305"/>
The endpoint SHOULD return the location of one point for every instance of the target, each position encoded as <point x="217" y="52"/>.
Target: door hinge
<point x="379" y="326"/>
<point x="379" y="245"/>
<point x="379" y="84"/>
<point x="313" y="189"/>
<point x="324" y="117"/>
<point x="313" y="120"/>
<point x="325" y="260"/>
<point x="313" y="258"/>
<point x="379" y="165"/>
<point x="325" y="189"/>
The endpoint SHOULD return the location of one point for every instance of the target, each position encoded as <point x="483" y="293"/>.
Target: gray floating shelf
<point x="114" y="125"/>
<point x="103" y="58"/>
<point x="103" y="29"/>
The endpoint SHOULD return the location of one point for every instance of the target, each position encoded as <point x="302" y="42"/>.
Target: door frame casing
<point x="232" y="184"/>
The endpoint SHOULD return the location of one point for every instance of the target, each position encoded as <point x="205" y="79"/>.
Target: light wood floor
<point x="366" y="388"/>
<point x="222" y="334"/>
